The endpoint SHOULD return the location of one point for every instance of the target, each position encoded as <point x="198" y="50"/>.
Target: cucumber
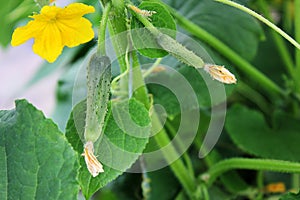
<point x="98" y="92"/>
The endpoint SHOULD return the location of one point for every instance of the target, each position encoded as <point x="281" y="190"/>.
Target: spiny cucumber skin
<point x="98" y="91"/>
<point x="179" y="51"/>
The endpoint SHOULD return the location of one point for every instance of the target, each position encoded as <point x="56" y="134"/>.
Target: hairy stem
<point x="186" y="157"/>
<point x="102" y="29"/>
<point x="170" y="155"/>
<point x="169" y="44"/>
<point x="139" y="89"/>
<point x="117" y="25"/>
<point x="262" y="19"/>
<point x="250" y="164"/>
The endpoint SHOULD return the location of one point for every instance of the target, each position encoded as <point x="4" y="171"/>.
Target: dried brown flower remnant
<point x="220" y="73"/>
<point x="93" y="165"/>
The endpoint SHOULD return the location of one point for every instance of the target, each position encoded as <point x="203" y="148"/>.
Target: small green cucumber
<point x="98" y="91"/>
<point x="179" y="51"/>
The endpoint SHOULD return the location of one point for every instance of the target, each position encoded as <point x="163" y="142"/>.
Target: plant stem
<point x="169" y="44"/>
<point x="262" y="19"/>
<point x="155" y="64"/>
<point x="117" y="26"/>
<point x="297" y="36"/>
<point x="102" y="29"/>
<point x="204" y="192"/>
<point x="260" y="184"/>
<point x="253" y="74"/>
<point x="139" y="88"/>
<point x="296" y="181"/>
<point x="284" y="53"/>
<point x="186" y="157"/>
<point x="250" y="164"/>
<point x="253" y="96"/>
<point x="170" y="155"/>
<point x="231" y="180"/>
<point x="161" y="138"/>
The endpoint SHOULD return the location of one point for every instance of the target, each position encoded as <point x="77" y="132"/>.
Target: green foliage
<point x="143" y="39"/>
<point x="262" y="126"/>
<point x="195" y="82"/>
<point x="115" y="161"/>
<point x="290" y="196"/>
<point x="30" y="144"/>
<point x="12" y="12"/>
<point x="250" y="131"/>
<point x="235" y="28"/>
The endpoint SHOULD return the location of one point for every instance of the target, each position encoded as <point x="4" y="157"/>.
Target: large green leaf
<point x="125" y="137"/>
<point x="238" y="30"/>
<point x="143" y="39"/>
<point x="249" y="130"/>
<point x="37" y="162"/>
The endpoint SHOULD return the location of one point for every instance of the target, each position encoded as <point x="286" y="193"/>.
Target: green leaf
<point x="36" y="159"/>
<point x="216" y="193"/>
<point x="120" y="146"/>
<point x="249" y="130"/>
<point x="290" y="196"/>
<point x="11" y="13"/>
<point x="272" y="68"/>
<point x="238" y="30"/>
<point x="143" y="40"/>
<point x="125" y="187"/>
<point x="163" y="184"/>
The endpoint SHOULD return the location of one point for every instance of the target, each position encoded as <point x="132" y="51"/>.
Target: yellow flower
<point x="55" y="28"/>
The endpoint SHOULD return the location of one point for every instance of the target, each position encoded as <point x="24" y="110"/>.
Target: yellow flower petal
<point x="24" y="33"/>
<point x="48" y="45"/>
<point x="75" y="10"/>
<point x="55" y="28"/>
<point x="75" y="31"/>
<point x="47" y="14"/>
